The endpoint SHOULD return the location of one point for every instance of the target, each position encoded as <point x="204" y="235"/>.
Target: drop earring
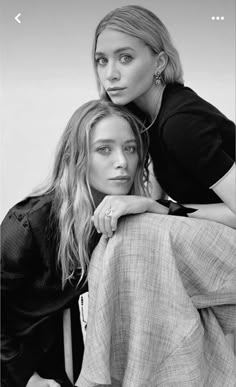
<point x="157" y="78"/>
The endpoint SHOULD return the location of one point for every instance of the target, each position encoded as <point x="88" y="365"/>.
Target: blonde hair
<point x="145" y="25"/>
<point x="73" y="203"/>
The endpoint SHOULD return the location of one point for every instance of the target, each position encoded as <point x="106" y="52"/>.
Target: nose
<point x="120" y="160"/>
<point x="112" y="71"/>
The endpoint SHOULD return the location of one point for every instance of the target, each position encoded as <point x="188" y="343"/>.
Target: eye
<point x="103" y="149"/>
<point x="131" y="148"/>
<point x="126" y="58"/>
<point x="101" y="61"/>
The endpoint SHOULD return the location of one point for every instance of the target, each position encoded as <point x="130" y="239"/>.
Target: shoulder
<point x="182" y="100"/>
<point x="187" y="118"/>
<point x="31" y="208"/>
<point x="22" y="225"/>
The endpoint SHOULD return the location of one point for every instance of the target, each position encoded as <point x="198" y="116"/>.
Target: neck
<point x="150" y="103"/>
<point x="97" y="196"/>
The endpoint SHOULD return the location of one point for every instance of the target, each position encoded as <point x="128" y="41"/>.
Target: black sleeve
<point x="16" y="270"/>
<point x="196" y="143"/>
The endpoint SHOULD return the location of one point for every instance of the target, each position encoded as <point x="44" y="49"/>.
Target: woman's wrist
<point x="156" y="207"/>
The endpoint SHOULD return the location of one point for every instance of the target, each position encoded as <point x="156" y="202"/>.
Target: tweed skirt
<point x="162" y="297"/>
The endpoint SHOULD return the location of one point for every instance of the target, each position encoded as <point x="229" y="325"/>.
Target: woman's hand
<point x="37" y="381"/>
<point x="112" y="208"/>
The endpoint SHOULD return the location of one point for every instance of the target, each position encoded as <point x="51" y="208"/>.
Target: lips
<point x="119" y="178"/>
<point x="113" y="89"/>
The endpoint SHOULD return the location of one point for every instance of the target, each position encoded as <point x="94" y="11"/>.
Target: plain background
<point x="46" y="72"/>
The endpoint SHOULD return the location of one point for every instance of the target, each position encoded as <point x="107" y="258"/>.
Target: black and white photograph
<point x="118" y="193"/>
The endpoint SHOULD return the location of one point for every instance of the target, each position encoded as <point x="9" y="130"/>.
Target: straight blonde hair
<point x="145" y="25"/>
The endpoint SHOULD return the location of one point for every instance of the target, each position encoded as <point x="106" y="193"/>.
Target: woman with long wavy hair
<point x="47" y="240"/>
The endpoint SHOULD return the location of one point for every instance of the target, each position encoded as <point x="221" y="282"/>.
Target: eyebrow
<point x="109" y="141"/>
<point x="117" y="51"/>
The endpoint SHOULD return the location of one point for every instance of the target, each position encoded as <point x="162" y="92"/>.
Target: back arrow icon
<point x="17" y="18"/>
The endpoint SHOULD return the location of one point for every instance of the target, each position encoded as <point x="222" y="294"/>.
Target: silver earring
<point x="157" y="78"/>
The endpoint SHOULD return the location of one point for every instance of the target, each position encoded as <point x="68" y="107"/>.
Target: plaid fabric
<point x="162" y="296"/>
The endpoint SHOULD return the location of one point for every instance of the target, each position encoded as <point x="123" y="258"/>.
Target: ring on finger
<point x="109" y="212"/>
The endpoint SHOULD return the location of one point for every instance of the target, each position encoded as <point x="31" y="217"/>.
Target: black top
<point x="32" y="295"/>
<point x="192" y="145"/>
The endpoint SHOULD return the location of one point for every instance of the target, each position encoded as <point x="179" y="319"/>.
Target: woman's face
<point x="125" y="66"/>
<point x="113" y="156"/>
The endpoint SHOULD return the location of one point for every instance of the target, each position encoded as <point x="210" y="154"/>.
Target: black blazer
<point x="32" y="297"/>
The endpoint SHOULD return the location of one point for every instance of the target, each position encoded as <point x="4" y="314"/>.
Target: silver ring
<point x="108" y="212"/>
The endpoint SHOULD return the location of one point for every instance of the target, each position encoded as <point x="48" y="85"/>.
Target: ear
<point x="161" y="62"/>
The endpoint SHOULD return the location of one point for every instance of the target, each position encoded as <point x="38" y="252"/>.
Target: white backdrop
<point x="46" y="72"/>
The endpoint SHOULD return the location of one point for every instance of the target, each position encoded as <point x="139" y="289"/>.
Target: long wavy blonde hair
<point x="73" y="203"/>
<point x="145" y="25"/>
